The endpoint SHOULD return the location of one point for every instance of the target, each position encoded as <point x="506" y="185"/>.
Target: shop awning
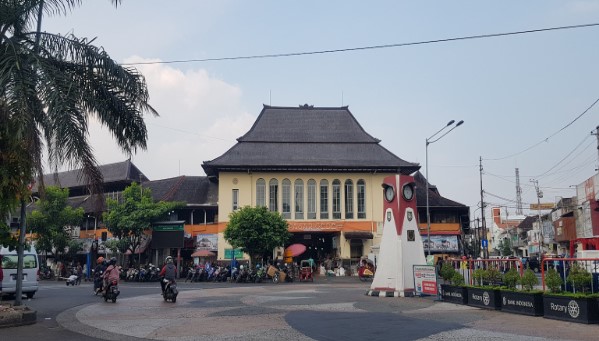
<point x="358" y="235"/>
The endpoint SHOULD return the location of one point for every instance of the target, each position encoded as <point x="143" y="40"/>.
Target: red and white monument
<point x="401" y="244"/>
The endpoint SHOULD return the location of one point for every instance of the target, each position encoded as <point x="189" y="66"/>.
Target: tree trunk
<point x="20" y="252"/>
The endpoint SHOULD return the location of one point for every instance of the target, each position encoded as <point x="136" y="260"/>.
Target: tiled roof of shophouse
<point x="308" y="138"/>
<point x="194" y="190"/>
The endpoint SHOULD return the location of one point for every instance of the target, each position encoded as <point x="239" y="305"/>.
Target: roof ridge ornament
<point x="306" y="106"/>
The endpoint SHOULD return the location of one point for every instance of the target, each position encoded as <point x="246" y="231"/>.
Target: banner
<point x="425" y="279"/>
<point x="442" y="243"/>
<point x="207" y="242"/>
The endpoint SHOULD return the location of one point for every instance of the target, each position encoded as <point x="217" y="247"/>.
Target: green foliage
<point x="580" y="278"/>
<point x="118" y="245"/>
<point x="256" y="230"/>
<point x="457" y="279"/>
<point x="529" y="280"/>
<point x="479" y="275"/>
<point x="52" y="86"/>
<point x="129" y="218"/>
<point x="553" y="280"/>
<point x="493" y="276"/>
<point x="511" y="278"/>
<point x="52" y="223"/>
<point x="505" y="247"/>
<point x="447" y="271"/>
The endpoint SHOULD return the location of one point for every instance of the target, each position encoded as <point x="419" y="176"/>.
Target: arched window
<point x="299" y="199"/>
<point x="273" y="195"/>
<point x="311" y="199"/>
<point x="349" y="199"/>
<point x="336" y="199"/>
<point x="324" y="199"/>
<point x="286" y="198"/>
<point x="260" y="192"/>
<point x="361" y="199"/>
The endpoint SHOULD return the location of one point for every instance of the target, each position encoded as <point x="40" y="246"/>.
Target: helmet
<point x="100" y="260"/>
<point x="241" y="267"/>
<point x="112" y="261"/>
<point x="168" y="259"/>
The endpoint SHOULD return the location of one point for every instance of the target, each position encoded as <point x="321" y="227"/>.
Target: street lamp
<point x="429" y="141"/>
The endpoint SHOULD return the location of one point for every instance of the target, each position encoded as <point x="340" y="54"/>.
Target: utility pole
<point x="596" y="133"/>
<point x="518" y="193"/>
<point x="484" y="241"/>
<point x="539" y="196"/>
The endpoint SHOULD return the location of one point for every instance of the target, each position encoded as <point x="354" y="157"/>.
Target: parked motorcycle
<point x="170" y="291"/>
<point x="112" y="292"/>
<point x="190" y="274"/>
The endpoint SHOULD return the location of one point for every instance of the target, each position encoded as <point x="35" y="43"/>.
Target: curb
<point x="17" y="316"/>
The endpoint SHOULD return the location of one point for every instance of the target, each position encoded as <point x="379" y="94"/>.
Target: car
<point x="30" y="271"/>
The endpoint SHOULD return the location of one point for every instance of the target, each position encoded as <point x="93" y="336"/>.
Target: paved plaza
<point x="329" y="309"/>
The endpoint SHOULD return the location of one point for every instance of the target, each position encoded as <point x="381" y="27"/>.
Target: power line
<point x="352" y="49"/>
<point x="547" y="138"/>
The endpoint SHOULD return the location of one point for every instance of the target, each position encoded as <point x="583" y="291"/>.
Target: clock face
<point x="389" y="193"/>
<point x="408" y="192"/>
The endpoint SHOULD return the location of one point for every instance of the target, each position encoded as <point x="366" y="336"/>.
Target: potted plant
<point x="456" y="291"/>
<point x="578" y="306"/>
<point x="485" y="291"/>
<point x="527" y="301"/>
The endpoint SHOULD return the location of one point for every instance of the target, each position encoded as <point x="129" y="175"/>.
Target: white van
<point x="30" y="271"/>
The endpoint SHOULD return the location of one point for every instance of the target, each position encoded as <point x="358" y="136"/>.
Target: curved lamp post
<point x="429" y="141"/>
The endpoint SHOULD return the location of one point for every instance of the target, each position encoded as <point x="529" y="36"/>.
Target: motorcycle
<point x="112" y="292"/>
<point x="46" y="273"/>
<point x="190" y="274"/>
<point x="170" y="290"/>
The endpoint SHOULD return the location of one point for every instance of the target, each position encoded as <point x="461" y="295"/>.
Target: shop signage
<point x="169" y="227"/>
<point x="230" y="252"/>
<point x="441" y="243"/>
<point x="425" y="279"/>
<point x="315" y="227"/>
<point x="207" y="242"/>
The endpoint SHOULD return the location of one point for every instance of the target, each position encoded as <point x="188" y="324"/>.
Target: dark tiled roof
<point x="308" y="139"/>
<point x="194" y="190"/>
<point x="114" y="172"/>
<point x="434" y="198"/>
<point x="526" y="224"/>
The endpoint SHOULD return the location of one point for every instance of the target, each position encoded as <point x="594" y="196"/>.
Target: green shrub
<point x="580" y="278"/>
<point x="529" y="280"/>
<point x="457" y="279"/>
<point x="447" y="271"/>
<point x="493" y="276"/>
<point x="511" y="278"/>
<point x="553" y="280"/>
<point x="478" y="276"/>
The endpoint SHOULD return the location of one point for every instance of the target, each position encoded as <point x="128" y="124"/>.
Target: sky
<point x="523" y="98"/>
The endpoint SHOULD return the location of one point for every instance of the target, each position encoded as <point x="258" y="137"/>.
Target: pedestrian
<point x="79" y="271"/>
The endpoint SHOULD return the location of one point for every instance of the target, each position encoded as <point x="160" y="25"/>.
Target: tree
<point x="133" y="215"/>
<point x="256" y="230"/>
<point x="505" y="247"/>
<point x="50" y="86"/>
<point x="53" y="221"/>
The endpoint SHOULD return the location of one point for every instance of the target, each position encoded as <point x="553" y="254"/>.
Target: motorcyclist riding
<point x="168" y="272"/>
<point x="98" y="272"/>
<point x="112" y="273"/>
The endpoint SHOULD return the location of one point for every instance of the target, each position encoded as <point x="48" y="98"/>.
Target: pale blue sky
<point x="511" y="91"/>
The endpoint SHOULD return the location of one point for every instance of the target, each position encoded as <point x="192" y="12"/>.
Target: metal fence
<point x="563" y="267"/>
<point x="466" y="267"/>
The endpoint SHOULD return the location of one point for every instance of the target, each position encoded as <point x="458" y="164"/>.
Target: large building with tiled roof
<point x="320" y="169"/>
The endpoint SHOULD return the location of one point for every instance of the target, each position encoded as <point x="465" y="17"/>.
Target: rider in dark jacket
<point x="168" y="272"/>
<point x="98" y="272"/>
